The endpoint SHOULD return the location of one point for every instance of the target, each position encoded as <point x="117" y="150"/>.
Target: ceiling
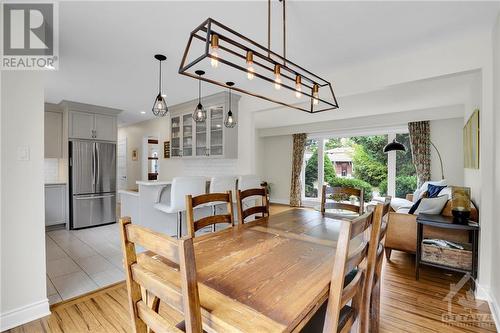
<point x="106" y="48"/>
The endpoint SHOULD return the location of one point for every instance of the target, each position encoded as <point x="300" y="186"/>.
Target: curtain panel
<point x="420" y="149"/>
<point x="299" y="146"/>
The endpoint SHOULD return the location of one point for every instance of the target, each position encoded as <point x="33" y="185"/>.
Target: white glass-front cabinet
<point x="206" y="139"/>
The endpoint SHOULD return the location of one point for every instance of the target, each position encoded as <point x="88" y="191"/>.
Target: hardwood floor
<point x="406" y="305"/>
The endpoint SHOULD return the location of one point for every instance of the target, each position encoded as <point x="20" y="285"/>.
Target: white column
<point x="391" y="168"/>
<point x="321" y="164"/>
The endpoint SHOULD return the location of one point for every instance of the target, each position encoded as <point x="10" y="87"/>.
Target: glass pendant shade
<point x="160" y="108"/>
<point x="229" y="122"/>
<point x="199" y="113"/>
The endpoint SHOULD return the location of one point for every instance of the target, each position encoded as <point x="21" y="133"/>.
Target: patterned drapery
<point x="420" y="149"/>
<point x="299" y="146"/>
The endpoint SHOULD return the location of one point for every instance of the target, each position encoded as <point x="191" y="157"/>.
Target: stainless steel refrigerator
<point x="92" y="174"/>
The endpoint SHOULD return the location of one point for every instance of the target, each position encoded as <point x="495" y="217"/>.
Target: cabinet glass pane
<point x="216" y="123"/>
<point x="175" y="145"/>
<point x="201" y="138"/>
<point x="187" y="135"/>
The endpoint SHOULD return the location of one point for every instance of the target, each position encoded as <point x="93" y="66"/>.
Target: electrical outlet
<point x="23" y="153"/>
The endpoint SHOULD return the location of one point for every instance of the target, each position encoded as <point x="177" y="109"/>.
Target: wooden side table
<point x="445" y="222"/>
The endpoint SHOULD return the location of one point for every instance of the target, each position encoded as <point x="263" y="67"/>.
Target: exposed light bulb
<point x="315" y="94"/>
<point x="277" y="77"/>
<point x="298" y="86"/>
<point x="214" y="46"/>
<point x="250" y="69"/>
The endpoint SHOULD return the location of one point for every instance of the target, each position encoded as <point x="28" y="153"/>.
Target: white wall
<point x="495" y="261"/>
<point x="23" y="290"/>
<point x="277" y="161"/>
<point x="447" y="135"/>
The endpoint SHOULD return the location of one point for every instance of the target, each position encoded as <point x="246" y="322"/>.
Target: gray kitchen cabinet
<point x="55" y="204"/>
<point x="208" y="139"/>
<point x="53" y="135"/>
<point x="91" y="122"/>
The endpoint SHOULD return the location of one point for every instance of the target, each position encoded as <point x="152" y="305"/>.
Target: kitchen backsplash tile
<point x="54" y="170"/>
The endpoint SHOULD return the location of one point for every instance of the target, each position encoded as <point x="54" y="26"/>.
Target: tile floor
<point x="80" y="261"/>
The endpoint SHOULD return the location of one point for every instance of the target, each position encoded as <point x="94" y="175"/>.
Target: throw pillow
<point x="433" y="190"/>
<point x="432" y="205"/>
<point x="418" y="192"/>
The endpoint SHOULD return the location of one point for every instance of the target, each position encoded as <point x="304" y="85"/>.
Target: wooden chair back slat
<point x="258" y="209"/>
<point x="347" y="259"/>
<point x="153" y="241"/>
<point x="163" y="289"/>
<point x="342" y="206"/>
<point x="204" y="199"/>
<point x="347" y="191"/>
<point x="254" y="210"/>
<point x="361" y="223"/>
<point x="154" y="321"/>
<point x="179" y="252"/>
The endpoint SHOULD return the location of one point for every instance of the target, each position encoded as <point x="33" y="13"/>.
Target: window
<point x="406" y="175"/>
<point x="358" y="161"/>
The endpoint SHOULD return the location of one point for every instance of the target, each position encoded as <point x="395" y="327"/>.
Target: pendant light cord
<point x="284" y="32"/>
<point x="269" y="29"/>
<point x="159" y="83"/>
<point x="199" y="91"/>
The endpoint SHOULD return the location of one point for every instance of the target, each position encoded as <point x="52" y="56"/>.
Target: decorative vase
<point x="460" y="204"/>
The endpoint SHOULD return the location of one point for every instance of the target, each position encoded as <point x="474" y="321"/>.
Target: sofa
<point x="401" y="232"/>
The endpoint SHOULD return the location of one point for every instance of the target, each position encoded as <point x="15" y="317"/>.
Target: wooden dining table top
<point x="275" y="270"/>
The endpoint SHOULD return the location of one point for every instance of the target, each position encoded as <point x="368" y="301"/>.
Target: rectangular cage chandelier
<point x="226" y="55"/>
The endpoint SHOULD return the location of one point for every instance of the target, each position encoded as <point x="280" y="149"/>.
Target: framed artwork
<point x="134" y="155"/>
<point x="471" y="141"/>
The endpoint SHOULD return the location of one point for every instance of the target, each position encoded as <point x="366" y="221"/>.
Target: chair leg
<point x="388" y="253"/>
<point x="375" y="308"/>
<point x="179" y="225"/>
<point x="214" y="212"/>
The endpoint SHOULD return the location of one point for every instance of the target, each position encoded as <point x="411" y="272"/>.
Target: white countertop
<point x="56" y="182"/>
<point x="129" y="192"/>
<point x="153" y="182"/>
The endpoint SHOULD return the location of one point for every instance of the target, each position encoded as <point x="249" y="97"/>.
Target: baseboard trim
<point x="495" y="311"/>
<point x="24" y="314"/>
<point x="280" y="201"/>
<point x="486" y="295"/>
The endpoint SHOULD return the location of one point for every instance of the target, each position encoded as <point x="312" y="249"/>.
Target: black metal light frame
<point x="264" y="58"/>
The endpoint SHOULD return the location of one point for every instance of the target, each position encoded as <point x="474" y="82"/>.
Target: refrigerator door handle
<point x="97" y="167"/>
<point x="93" y="166"/>
<point x="95" y="197"/>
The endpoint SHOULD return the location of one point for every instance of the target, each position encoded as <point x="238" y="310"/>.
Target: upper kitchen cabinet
<point x="53" y="132"/>
<point x="91" y="122"/>
<point x="208" y="139"/>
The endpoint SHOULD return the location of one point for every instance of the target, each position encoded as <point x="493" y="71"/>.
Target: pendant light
<point x="160" y="108"/>
<point x="229" y="122"/>
<point x="199" y="113"/>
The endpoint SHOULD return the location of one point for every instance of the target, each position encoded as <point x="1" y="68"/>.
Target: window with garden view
<point x="358" y="162"/>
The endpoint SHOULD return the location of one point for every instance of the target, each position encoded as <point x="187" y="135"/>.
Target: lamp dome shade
<point x="394" y="145"/>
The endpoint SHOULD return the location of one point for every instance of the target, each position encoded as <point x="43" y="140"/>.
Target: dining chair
<point x="141" y="281"/>
<point x="348" y="276"/>
<point x="204" y="200"/>
<point x="256" y="193"/>
<point x="222" y="184"/>
<point x="375" y="290"/>
<point x="182" y="186"/>
<point x="341" y="197"/>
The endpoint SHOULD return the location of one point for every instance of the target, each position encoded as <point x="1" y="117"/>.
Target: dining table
<point x="268" y="275"/>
